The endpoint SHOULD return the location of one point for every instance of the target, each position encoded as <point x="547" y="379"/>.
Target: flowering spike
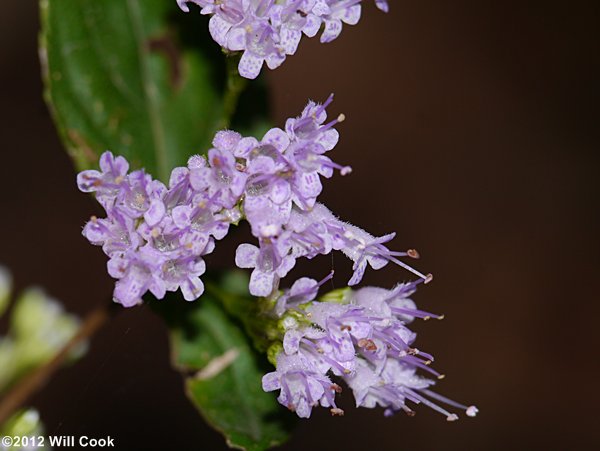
<point x="156" y="237"/>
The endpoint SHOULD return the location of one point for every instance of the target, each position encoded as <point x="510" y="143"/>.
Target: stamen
<point x="416" y="313"/>
<point x="471" y="411"/>
<point x="326" y="278"/>
<point x="449" y="416"/>
<point x="326" y="162"/>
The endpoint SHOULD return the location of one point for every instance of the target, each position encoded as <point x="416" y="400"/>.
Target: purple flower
<point x="139" y="194"/>
<point x="116" y="234"/>
<point x="107" y="183"/>
<point x="137" y="272"/>
<point x="301" y="385"/>
<point x="203" y="216"/>
<point x="270" y="263"/>
<point x="362" y="338"/>
<point x="292" y="19"/>
<point x="184" y="273"/>
<point x="261" y="44"/>
<point x="272" y="183"/>
<point x="156" y="236"/>
<point x="302" y="291"/>
<point x="220" y="179"/>
<point x="341" y="11"/>
<point x="396" y="385"/>
<point x="387" y="388"/>
<point x="318" y="232"/>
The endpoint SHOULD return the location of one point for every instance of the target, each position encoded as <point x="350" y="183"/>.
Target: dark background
<point x="473" y="131"/>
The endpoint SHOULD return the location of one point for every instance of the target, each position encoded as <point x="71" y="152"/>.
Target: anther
<point x="441" y="317"/>
<point x="452" y="417"/>
<point x="346" y="170"/>
<point x="369" y="345"/>
<point x="426" y="318"/>
<point x="472" y="411"/>
<point x="428" y="278"/>
<point x="409" y="411"/>
<point x="337" y="412"/>
<point x="441" y="376"/>
<point x="341" y="118"/>
<point x="412" y="253"/>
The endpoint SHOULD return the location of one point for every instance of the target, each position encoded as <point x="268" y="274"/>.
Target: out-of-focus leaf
<point x="39" y="328"/>
<point x="122" y="75"/>
<point x="223" y="374"/>
<point x="25" y="423"/>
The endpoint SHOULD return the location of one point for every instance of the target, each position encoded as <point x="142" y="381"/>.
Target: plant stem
<point x="31" y="383"/>
<point x="235" y="85"/>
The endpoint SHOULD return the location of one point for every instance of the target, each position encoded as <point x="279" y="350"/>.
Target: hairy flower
<point x="302" y="386"/>
<point x="361" y="338"/>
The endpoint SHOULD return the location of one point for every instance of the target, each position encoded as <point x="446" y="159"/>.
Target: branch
<point x="31" y="383"/>
<point x="234" y="87"/>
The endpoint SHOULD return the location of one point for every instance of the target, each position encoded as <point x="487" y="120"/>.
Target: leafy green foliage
<point x="223" y="373"/>
<point x="122" y="75"/>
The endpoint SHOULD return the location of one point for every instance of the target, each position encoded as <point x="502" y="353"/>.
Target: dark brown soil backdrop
<point x="473" y="131"/>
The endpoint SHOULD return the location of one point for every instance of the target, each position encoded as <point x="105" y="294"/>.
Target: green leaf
<point x="224" y="374"/>
<point x="139" y="78"/>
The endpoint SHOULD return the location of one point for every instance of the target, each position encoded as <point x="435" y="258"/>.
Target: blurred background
<point x="472" y="128"/>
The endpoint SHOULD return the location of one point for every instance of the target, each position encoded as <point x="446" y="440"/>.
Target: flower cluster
<point x="266" y="31"/>
<point x="156" y="235"/>
<point x="360" y="337"/>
